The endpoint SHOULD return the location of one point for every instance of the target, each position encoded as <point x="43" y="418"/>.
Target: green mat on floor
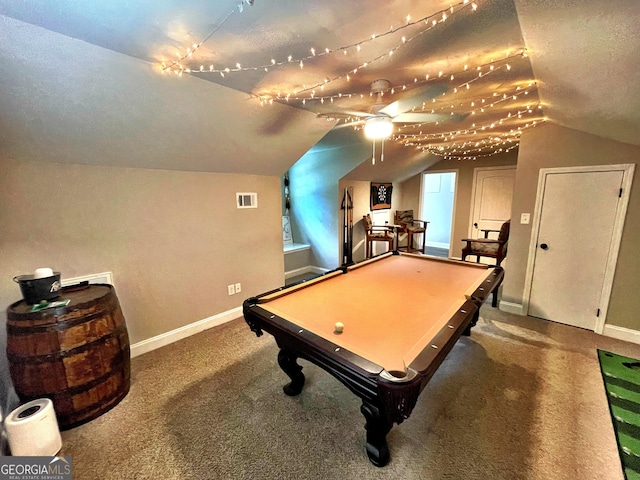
<point x="621" y="377"/>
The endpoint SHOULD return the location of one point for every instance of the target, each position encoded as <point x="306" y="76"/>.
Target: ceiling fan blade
<point x="350" y="124"/>
<point x="413" y="99"/>
<point x="344" y="113"/>
<point x="417" y="117"/>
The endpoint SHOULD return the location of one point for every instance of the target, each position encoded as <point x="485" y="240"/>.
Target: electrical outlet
<point x="238" y="288"/>
<point x="231" y="289"/>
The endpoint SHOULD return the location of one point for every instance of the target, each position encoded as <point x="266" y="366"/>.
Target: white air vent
<point x="247" y="199"/>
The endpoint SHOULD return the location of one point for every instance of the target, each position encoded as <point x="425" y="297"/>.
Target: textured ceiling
<point x="191" y="80"/>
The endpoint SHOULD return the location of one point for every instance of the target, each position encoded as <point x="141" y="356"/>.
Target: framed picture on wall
<point x="381" y="195"/>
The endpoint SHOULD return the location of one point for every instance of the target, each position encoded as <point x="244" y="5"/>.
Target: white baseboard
<point x="612" y="331"/>
<point x="183" y="332"/>
<point x="622" y="333"/>
<point x="303" y="270"/>
<point x="510" y="307"/>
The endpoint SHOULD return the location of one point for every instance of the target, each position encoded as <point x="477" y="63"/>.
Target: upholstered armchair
<point x="411" y="226"/>
<point x="375" y="233"/>
<point x="487" y="247"/>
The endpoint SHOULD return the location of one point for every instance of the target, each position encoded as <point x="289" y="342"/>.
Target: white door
<point x="492" y="194"/>
<point x="575" y="232"/>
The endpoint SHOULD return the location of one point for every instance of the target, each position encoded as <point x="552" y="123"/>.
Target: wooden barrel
<point x="77" y="355"/>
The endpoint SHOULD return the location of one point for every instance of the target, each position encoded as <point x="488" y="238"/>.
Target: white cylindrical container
<point x="43" y="273"/>
<point x="32" y="429"/>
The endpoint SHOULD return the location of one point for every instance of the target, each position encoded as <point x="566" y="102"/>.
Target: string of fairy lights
<point x="484" y="69"/>
<point x="475" y="129"/>
<point x="505" y="97"/>
<point x="474" y="149"/>
<point x="474" y="156"/>
<point x="477" y="105"/>
<point x="460" y="82"/>
<point x="477" y="149"/>
<point x="431" y="21"/>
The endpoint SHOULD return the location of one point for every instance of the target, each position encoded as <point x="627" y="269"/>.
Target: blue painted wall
<point x="315" y="195"/>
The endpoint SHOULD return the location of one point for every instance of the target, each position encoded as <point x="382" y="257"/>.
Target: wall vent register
<point x="247" y="200"/>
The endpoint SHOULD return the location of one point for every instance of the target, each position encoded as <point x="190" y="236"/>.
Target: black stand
<point x="347" y="226"/>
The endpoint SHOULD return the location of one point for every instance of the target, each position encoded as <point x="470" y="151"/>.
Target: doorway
<point x="437" y="206"/>
<point x="577" y="228"/>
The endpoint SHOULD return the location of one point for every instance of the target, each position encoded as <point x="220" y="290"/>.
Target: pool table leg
<point x="474" y="320"/>
<point x="377" y="427"/>
<point x="494" y="300"/>
<point x="289" y="365"/>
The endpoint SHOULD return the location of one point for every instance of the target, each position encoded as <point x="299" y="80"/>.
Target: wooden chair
<point x="411" y="227"/>
<point x="487" y="247"/>
<point x="374" y="233"/>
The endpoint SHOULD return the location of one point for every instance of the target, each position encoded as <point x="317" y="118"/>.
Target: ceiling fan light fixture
<point x="378" y="127"/>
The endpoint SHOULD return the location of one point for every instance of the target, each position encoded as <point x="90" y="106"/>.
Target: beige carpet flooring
<point x="521" y="398"/>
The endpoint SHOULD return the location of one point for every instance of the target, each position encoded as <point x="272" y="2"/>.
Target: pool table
<point x="401" y="315"/>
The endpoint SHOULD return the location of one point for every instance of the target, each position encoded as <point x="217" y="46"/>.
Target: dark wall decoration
<point x="381" y="195"/>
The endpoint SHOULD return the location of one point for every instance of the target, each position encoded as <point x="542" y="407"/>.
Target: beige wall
<point x="548" y="146"/>
<point x="173" y="240"/>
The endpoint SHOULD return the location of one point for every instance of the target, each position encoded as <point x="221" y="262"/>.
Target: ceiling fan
<point x="378" y="122"/>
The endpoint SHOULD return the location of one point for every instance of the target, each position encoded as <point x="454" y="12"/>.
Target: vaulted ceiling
<point x="235" y="86"/>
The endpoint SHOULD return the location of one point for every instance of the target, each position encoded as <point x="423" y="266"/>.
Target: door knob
<point x="544" y="246"/>
<point x="475" y="225"/>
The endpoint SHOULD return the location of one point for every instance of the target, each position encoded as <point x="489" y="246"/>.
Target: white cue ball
<point x="338" y="327"/>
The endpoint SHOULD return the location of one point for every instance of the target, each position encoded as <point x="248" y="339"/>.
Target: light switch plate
<point x="524" y="218"/>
